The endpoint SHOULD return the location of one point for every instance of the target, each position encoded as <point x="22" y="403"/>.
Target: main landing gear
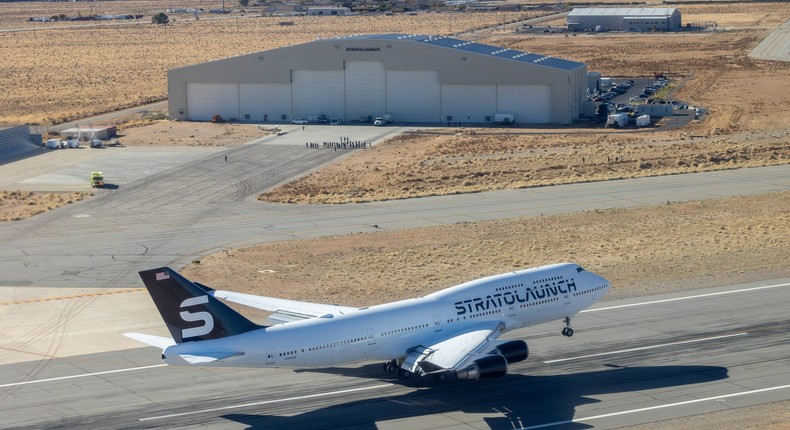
<point x="567" y="331"/>
<point x="392" y="367"/>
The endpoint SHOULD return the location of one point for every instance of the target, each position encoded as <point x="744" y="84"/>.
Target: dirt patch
<point x="649" y="250"/>
<point x="18" y="205"/>
<point x="441" y="163"/>
<point x="769" y="416"/>
<point x="175" y="133"/>
<point x="125" y="64"/>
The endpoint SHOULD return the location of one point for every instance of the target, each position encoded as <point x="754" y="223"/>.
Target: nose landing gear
<point x="567" y="331"/>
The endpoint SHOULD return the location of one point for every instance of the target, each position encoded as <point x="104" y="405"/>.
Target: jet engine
<point x="513" y="351"/>
<point x="491" y="366"/>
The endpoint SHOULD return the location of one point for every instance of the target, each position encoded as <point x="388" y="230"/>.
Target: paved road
<point x="202" y="205"/>
<point x="631" y="361"/>
<point x="776" y="46"/>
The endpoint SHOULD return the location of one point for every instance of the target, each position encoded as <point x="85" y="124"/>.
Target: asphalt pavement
<point x="632" y="361"/>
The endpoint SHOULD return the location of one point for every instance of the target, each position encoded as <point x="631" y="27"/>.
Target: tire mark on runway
<point x="69" y="297"/>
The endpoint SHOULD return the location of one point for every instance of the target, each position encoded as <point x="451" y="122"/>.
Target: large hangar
<point x="624" y="19"/>
<point x="415" y="78"/>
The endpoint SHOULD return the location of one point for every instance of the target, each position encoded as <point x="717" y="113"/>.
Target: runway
<point x="775" y="46"/>
<point x="631" y="361"/>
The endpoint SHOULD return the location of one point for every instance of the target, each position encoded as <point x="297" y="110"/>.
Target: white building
<point x="624" y="19"/>
<point x="328" y="11"/>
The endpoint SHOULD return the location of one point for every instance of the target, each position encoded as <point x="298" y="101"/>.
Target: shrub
<point x="160" y="18"/>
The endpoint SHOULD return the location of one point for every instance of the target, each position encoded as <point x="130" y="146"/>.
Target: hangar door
<point x="527" y="103"/>
<point x="468" y="103"/>
<point x="365" y="89"/>
<point x="317" y="92"/>
<point x="265" y="102"/>
<point x="413" y="95"/>
<point x="207" y="100"/>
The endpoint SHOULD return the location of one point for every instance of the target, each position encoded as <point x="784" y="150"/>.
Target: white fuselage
<point x="390" y="331"/>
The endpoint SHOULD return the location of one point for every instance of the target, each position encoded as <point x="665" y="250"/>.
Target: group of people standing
<point x="344" y="143"/>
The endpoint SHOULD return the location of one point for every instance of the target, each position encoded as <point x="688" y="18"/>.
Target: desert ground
<point x="747" y="125"/>
<point x="63" y="71"/>
<point x="18" y="205"/>
<point x="650" y="250"/>
<point x="71" y="70"/>
<point x="748" y="122"/>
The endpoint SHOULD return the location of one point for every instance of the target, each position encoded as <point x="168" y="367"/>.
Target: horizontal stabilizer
<point x="208" y="357"/>
<point x="149" y="339"/>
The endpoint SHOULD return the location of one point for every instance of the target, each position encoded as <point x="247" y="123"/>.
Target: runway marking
<point x="686" y="298"/>
<point x="652" y="408"/>
<point x="642" y="348"/>
<point x="60" y="378"/>
<point x="265" y="402"/>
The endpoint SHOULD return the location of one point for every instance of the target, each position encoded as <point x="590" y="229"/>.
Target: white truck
<point x="617" y="120"/>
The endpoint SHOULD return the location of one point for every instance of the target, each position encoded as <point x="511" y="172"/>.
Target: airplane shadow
<point x="514" y="401"/>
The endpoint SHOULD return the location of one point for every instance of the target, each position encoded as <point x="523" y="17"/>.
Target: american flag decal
<point x="161" y="276"/>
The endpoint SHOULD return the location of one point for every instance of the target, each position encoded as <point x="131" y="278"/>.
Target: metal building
<point x="328" y="10"/>
<point x="415" y="78"/>
<point x="624" y="19"/>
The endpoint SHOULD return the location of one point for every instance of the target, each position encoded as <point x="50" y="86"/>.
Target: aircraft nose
<point x="598" y="279"/>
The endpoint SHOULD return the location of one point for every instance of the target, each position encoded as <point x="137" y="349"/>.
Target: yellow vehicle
<point x="97" y="180"/>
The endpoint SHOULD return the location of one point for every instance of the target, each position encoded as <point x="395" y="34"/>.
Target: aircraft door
<point x="371" y="336"/>
<point x="437" y="323"/>
<point x="269" y="355"/>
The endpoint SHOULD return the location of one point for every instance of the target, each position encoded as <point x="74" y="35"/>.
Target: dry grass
<point x="18" y="205"/>
<point x="435" y="163"/>
<point x="74" y="70"/>
<point x="646" y="250"/>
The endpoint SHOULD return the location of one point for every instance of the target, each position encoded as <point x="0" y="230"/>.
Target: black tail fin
<point x="189" y="311"/>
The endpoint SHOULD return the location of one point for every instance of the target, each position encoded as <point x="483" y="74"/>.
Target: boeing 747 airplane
<point x="450" y="334"/>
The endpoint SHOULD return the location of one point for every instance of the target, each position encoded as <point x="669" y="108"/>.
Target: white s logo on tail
<point x="208" y="320"/>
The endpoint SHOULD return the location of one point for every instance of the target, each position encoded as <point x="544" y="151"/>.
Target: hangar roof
<point x="474" y="47"/>
<point x="651" y="12"/>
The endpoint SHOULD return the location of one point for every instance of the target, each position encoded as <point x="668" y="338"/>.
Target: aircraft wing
<point x="455" y="351"/>
<point x="284" y="311"/>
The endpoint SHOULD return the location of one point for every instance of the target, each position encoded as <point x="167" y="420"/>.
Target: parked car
<point x="299" y="121"/>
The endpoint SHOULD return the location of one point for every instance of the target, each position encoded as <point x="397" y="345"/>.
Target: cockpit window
<point x="579" y="269"/>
